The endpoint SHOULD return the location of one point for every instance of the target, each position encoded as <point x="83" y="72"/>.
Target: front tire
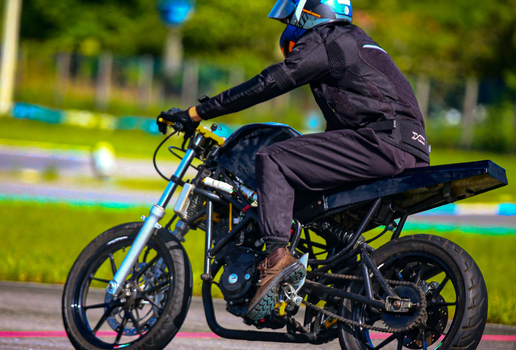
<point x="455" y="291"/>
<point x="153" y="303"/>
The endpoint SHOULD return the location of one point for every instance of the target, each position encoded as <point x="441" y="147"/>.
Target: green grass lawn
<point x="40" y="242"/>
<point x="127" y="143"/>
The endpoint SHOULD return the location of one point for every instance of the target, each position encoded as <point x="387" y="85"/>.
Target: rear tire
<point x="159" y="290"/>
<point x="457" y="304"/>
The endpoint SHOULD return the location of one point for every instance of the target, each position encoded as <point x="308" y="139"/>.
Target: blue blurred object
<point x="175" y="12"/>
<point x="507" y="209"/>
<point x="34" y="112"/>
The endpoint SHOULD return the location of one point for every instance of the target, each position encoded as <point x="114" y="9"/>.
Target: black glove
<point x="180" y="120"/>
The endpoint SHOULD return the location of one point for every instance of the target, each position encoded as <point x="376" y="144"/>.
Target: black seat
<point x="414" y="190"/>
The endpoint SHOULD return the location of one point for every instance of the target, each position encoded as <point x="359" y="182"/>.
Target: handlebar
<point x="177" y="126"/>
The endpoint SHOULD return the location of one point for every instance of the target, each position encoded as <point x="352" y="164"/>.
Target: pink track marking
<point x="201" y="335"/>
<point x="62" y="334"/>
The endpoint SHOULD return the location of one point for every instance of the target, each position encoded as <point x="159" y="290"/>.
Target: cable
<point x="156" y="153"/>
<point x="171" y="148"/>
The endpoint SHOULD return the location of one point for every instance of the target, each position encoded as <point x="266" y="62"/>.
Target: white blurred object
<point x="103" y="160"/>
<point x="11" y="29"/>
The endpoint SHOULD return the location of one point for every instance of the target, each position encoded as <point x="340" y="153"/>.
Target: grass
<point x="127" y="143"/>
<point x="40" y="242"/>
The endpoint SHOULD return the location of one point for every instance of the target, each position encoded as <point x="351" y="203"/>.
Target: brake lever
<point x="177" y="126"/>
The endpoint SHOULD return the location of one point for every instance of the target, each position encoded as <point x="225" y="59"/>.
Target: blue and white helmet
<point x="301" y="15"/>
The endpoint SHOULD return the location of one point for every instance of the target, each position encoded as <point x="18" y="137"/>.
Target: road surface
<point x="30" y="318"/>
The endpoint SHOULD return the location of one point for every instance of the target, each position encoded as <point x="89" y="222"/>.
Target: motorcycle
<point x="131" y="286"/>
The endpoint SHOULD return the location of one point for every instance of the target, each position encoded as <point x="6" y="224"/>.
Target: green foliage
<point x="123" y="26"/>
<point x="442" y="38"/>
<point x="494" y="130"/>
<point x="437" y="38"/>
<point x="496" y="133"/>
<point x="234" y="32"/>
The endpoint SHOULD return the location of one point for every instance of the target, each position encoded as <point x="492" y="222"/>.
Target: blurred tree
<point x="436" y="38"/>
<point x="472" y="39"/>
<point x="440" y="38"/>
<point x="90" y="26"/>
<point x="234" y="32"/>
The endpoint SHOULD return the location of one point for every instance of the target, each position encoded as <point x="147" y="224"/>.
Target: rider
<point x="374" y="125"/>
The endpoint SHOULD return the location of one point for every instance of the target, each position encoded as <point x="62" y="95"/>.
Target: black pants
<point x="318" y="162"/>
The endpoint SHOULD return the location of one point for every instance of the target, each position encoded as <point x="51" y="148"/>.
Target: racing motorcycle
<point x="366" y="284"/>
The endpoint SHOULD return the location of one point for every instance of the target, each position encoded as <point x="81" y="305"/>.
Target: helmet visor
<point x="283" y="9"/>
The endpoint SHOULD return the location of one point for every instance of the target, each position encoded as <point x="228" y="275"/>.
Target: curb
<point x="503" y="209"/>
<point x="87" y="119"/>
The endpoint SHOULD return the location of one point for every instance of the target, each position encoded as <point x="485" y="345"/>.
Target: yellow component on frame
<point x="210" y="135"/>
<point x="230" y="216"/>
<point x="281" y="307"/>
<point x="330" y="324"/>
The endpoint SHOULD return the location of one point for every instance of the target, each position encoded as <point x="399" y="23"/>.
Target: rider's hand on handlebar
<point x="180" y="120"/>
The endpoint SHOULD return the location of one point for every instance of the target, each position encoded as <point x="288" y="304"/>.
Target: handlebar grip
<point x="164" y="121"/>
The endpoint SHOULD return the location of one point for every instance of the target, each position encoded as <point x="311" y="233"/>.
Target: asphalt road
<point x="30" y="318"/>
<point x="76" y="163"/>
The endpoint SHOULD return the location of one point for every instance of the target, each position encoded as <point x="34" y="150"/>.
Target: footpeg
<point x="290" y="296"/>
<point x="289" y="291"/>
<point x="304" y="261"/>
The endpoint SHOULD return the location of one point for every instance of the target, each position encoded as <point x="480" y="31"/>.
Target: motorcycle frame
<point x="158" y="211"/>
<point x="354" y="247"/>
<point x="367" y="267"/>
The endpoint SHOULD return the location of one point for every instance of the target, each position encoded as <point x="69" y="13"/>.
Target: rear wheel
<point x="154" y="300"/>
<point x="455" y="290"/>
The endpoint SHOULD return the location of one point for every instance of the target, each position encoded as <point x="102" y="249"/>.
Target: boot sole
<point x="267" y="300"/>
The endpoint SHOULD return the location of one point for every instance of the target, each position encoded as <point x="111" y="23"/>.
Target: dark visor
<point x="283" y="9"/>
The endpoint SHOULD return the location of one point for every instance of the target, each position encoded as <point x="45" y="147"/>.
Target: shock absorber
<point x="334" y="232"/>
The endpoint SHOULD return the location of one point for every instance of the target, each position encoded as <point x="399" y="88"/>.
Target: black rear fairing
<point x="238" y="155"/>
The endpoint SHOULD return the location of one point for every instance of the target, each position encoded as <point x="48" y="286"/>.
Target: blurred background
<point x="83" y="80"/>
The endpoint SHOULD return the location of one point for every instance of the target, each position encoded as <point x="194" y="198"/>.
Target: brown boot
<point x="279" y="267"/>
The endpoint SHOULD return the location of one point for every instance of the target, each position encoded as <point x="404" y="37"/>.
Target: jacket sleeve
<point x="307" y="63"/>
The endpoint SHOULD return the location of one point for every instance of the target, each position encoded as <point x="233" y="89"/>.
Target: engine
<point x="237" y="282"/>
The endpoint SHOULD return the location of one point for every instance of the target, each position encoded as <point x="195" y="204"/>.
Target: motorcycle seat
<point x="414" y="190"/>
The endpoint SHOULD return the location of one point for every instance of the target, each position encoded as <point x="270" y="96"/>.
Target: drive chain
<point x="419" y="320"/>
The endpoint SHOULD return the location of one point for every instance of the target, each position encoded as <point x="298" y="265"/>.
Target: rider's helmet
<point x="301" y="15"/>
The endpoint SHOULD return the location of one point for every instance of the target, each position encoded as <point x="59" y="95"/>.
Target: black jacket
<point x="354" y="81"/>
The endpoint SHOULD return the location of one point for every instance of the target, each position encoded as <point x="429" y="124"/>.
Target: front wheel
<point x="455" y="291"/>
<point x="154" y="300"/>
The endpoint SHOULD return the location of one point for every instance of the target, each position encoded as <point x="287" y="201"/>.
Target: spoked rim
<point x="112" y="323"/>
<point x="442" y="296"/>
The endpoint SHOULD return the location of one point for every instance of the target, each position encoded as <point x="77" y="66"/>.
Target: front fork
<point x="157" y="212"/>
